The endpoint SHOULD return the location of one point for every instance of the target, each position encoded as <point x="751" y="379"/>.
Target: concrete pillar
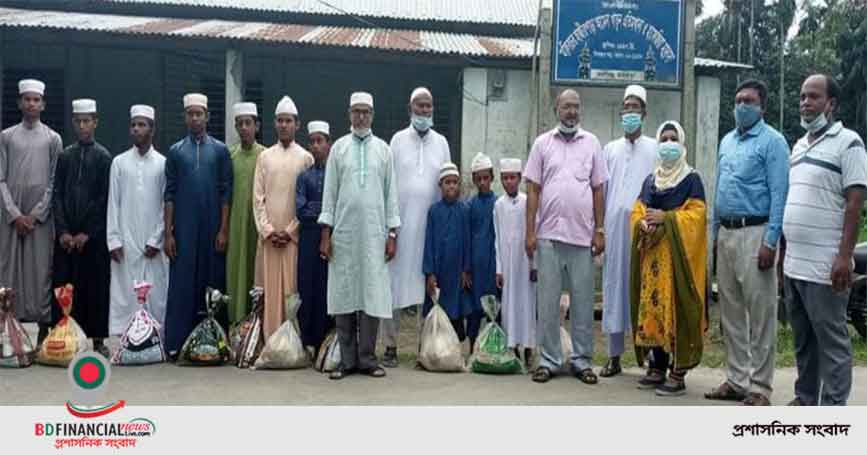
<point x="2" y="52"/>
<point x="474" y="121"/>
<point x="707" y="142"/>
<point x="234" y="90"/>
<point x="688" y="100"/>
<point x="546" y="119"/>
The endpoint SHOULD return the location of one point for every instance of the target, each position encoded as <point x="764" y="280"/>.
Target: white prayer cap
<point x="448" y="169"/>
<point x="510" y="165"/>
<point x="142" y="110"/>
<point x="318" y="126"/>
<point x="419" y="92"/>
<point x="31" y="86"/>
<point x="195" y="99"/>
<point x="245" y="109"/>
<point x="481" y="162"/>
<point x="361" y="98"/>
<point x="636" y="91"/>
<point x="84" y="106"/>
<point x="286" y="106"/>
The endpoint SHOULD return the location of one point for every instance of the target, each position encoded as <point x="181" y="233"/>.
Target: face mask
<point x="631" y="122"/>
<point x="421" y="123"/>
<point x="816" y="125"/>
<point x="361" y="133"/>
<point x="669" y="152"/>
<point x="567" y="129"/>
<point x="746" y="115"/>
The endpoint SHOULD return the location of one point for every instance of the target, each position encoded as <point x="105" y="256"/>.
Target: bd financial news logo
<point x="95" y="423"/>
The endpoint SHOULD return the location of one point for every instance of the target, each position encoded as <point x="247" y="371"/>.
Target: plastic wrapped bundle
<point x="492" y="354"/>
<point x="440" y="347"/>
<point x="66" y="339"/>
<point x="141" y="342"/>
<point x="329" y="354"/>
<point x="284" y="350"/>
<point x="252" y="340"/>
<point x="207" y="343"/>
<point x="16" y="349"/>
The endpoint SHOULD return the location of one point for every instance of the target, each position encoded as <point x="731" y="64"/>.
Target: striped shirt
<point x="820" y="174"/>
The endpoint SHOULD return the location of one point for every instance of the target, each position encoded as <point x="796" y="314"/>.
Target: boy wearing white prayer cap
<point x="135" y="226"/>
<point x="360" y="219"/>
<point x="516" y="276"/>
<point x="81" y="257"/>
<point x="28" y="157"/>
<point x="482" y="279"/>
<point x="418" y="152"/>
<point x="243" y="238"/>
<point x="198" y="195"/>
<point x="313" y="318"/>
<point x="277" y="171"/>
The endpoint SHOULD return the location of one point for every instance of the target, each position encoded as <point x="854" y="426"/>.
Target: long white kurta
<point x="628" y="165"/>
<point x="135" y="220"/>
<point x="519" y="293"/>
<point x="417" y="162"/>
<point x="360" y="204"/>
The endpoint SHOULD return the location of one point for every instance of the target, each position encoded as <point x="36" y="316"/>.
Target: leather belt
<point x="739" y="222"/>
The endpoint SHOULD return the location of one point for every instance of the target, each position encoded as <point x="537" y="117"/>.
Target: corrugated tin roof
<point x="373" y="38"/>
<point x="510" y="12"/>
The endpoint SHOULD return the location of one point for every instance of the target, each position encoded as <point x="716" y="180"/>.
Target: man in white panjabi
<point x="630" y="160"/>
<point x="135" y="226"/>
<point x="419" y="152"/>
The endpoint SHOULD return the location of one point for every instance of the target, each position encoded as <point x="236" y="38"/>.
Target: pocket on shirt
<point x="583" y="170"/>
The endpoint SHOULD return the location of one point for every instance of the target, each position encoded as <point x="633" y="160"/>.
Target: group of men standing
<point x="346" y="224"/>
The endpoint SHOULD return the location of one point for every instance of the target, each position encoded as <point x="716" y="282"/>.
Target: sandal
<point x="340" y="373"/>
<point x="725" y="392"/>
<point x="756" y="399"/>
<point x="653" y="379"/>
<point x="542" y="374"/>
<point x="612" y="368"/>
<point x="375" y="372"/>
<point x="586" y="376"/>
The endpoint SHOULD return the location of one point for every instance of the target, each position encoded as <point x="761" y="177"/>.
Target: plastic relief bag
<point x="492" y="354"/>
<point x="207" y="343"/>
<point x="329" y="354"/>
<point x="66" y="339"/>
<point x="141" y="342"/>
<point x="249" y="331"/>
<point x="440" y="347"/>
<point x="284" y="350"/>
<point x="16" y="348"/>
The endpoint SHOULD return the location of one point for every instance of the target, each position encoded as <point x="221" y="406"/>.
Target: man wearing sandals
<point x="565" y="175"/>
<point x="752" y="183"/>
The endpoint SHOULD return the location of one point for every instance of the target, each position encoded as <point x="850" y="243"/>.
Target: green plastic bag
<point x="492" y="354"/>
<point x="207" y="343"/>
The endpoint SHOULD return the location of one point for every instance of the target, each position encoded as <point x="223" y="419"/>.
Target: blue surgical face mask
<point x="819" y="122"/>
<point x="746" y="115"/>
<point x="631" y="122"/>
<point x="669" y="152"/>
<point x="421" y="123"/>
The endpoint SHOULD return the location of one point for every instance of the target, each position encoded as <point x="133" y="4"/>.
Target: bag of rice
<point x="492" y="354"/>
<point x="16" y="349"/>
<point x="284" y="350"/>
<point x="66" y="339"/>
<point x="141" y="343"/>
<point x="207" y="343"/>
<point x="440" y="347"/>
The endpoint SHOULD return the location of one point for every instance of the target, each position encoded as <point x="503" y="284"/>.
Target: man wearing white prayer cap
<point x="313" y="318"/>
<point x="28" y="153"/>
<point x="360" y="218"/>
<point x="243" y="238"/>
<point x="81" y="257"/>
<point x="516" y="275"/>
<point x="135" y="226"/>
<point x="418" y="152"/>
<point x="198" y="195"/>
<point x="274" y="181"/>
<point x="630" y="158"/>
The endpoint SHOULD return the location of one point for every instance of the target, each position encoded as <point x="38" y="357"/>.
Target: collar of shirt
<point x="754" y="130"/>
<point x="198" y="139"/>
<point x="287" y="148"/>
<point x="250" y="148"/>
<point x="146" y="154"/>
<point x="563" y="137"/>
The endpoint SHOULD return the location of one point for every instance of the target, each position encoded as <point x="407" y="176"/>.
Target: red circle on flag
<point x="89" y="372"/>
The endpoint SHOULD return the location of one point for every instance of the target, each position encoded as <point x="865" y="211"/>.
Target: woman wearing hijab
<point x="669" y="252"/>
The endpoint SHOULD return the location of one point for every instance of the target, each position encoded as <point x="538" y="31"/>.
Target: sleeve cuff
<point x="267" y="230"/>
<point x="114" y="244"/>
<point x="326" y="219"/>
<point x="393" y="222"/>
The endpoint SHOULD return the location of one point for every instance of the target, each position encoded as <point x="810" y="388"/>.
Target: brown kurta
<point x="277" y="170"/>
<point x="28" y="157"/>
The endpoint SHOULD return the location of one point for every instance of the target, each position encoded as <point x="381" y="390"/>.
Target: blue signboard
<point x="618" y="42"/>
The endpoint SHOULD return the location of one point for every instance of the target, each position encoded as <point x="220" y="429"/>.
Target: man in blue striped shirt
<point x="751" y="186"/>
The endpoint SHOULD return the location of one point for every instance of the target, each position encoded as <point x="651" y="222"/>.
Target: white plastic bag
<point x="141" y="343"/>
<point x="329" y="354"/>
<point x="440" y="347"/>
<point x="284" y="349"/>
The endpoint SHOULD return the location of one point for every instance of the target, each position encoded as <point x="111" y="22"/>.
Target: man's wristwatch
<point x="392" y="235"/>
<point x="600" y="231"/>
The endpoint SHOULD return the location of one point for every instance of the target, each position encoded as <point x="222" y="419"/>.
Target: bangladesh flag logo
<point x="89" y="375"/>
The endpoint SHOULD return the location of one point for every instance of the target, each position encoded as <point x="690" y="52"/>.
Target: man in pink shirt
<point x="565" y="174"/>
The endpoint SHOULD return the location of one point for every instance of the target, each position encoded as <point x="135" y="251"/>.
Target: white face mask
<point x="816" y="124"/>
<point x="421" y="123"/>
<point x="565" y="129"/>
<point x="361" y="132"/>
